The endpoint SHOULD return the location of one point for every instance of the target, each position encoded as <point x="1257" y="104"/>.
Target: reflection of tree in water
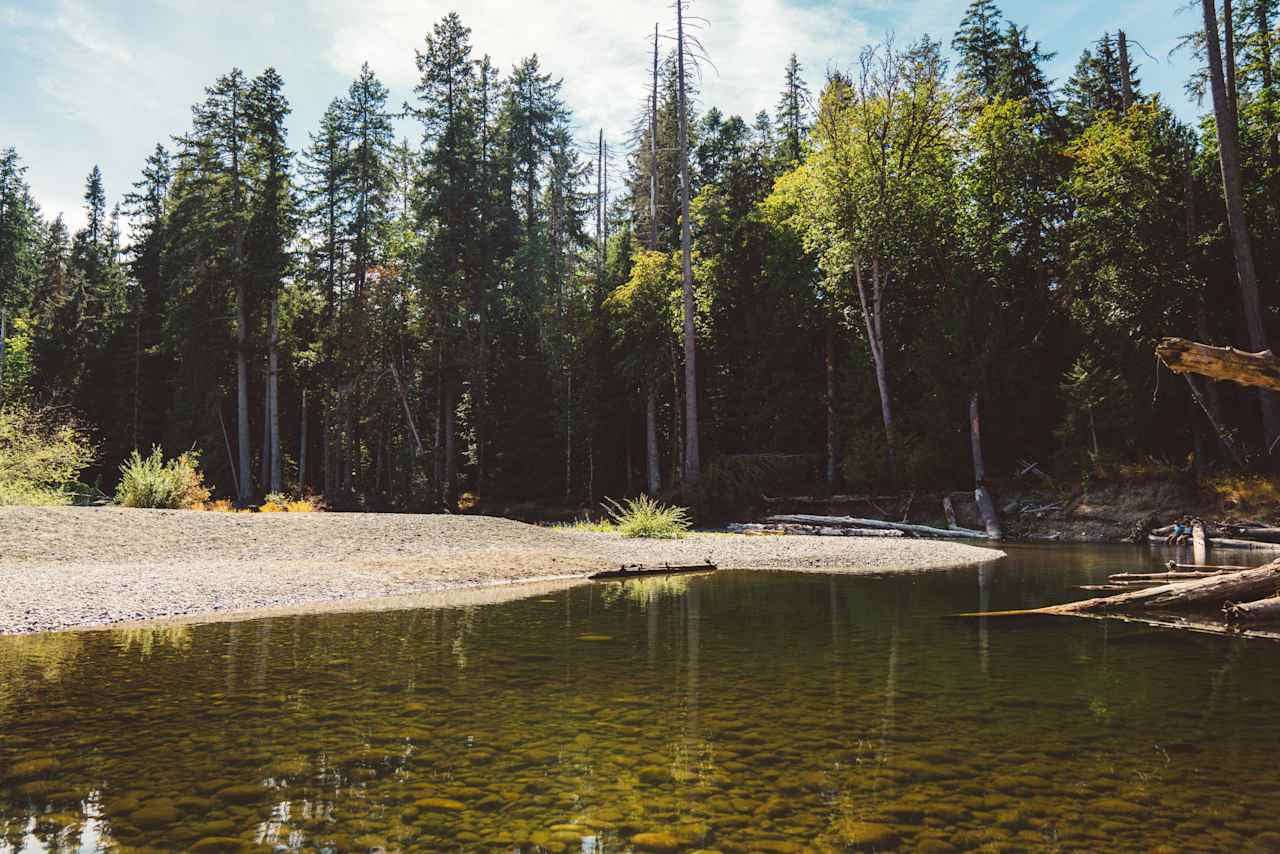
<point x="26" y="660"/>
<point x="643" y="591"/>
<point x="146" y="640"/>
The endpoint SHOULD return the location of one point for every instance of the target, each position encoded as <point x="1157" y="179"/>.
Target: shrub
<point x="278" y="502"/>
<point x="156" y="483"/>
<point x="648" y="517"/>
<point x="42" y="452"/>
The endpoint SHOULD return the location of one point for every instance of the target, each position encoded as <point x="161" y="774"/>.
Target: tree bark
<point x="273" y="359"/>
<point x="653" y="472"/>
<point x="242" y="391"/>
<point x="1241" y="243"/>
<point x="1126" y="82"/>
<point x="871" y="316"/>
<point x="692" y="454"/>
<point x="1257" y="611"/>
<point x="4" y="331"/>
<point x="653" y="149"/>
<point x="1257" y="370"/>
<point x="986" y="507"/>
<point x="831" y="401"/>
<point x="302" y="446"/>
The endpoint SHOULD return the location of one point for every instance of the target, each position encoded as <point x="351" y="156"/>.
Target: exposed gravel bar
<point x="71" y="567"/>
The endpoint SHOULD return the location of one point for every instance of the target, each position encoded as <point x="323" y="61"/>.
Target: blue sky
<point x="101" y="81"/>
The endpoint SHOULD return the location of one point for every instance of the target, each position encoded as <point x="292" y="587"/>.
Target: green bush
<point x="156" y="483"/>
<point x="647" y="517"/>
<point x="42" y="452"/>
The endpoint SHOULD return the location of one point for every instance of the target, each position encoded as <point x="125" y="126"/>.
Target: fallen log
<point x="1221" y="543"/>
<point x="808" y="530"/>
<point x="637" y="570"/>
<point x="1266" y="535"/>
<point x="1245" y="585"/>
<point x="1250" y="612"/>
<point x="854" y="522"/>
<point x="1117" y="586"/>
<point x="827" y="499"/>
<point x="1161" y="576"/>
<point x="1257" y="370"/>
<point x="1207" y="566"/>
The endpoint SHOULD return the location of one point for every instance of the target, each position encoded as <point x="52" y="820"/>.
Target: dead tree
<point x="1237" y="223"/>
<point x="692" y="455"/>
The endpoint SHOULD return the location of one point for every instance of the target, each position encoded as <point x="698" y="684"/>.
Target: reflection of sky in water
<point x="733" y="710"/>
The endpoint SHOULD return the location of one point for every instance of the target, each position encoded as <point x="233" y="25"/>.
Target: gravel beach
<point x="73" y="567"/>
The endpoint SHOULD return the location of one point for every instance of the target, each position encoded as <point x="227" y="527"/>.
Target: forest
<point x="819" y="294"/>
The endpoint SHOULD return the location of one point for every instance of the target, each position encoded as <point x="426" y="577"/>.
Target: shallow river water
<point x="733" y="712"/>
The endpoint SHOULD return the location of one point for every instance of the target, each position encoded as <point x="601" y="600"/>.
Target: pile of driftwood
<point x="859" y="527"/>
<point x="1242" y="596"/>
<point x="757" y="529"/>
<point x="1249" y="535"/>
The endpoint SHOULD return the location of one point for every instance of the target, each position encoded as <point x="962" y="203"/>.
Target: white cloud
<point x="604" y="55"/>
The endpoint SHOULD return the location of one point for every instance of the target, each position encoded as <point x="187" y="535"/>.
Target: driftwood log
<point x="1249" y="612"/>
<point x="1217" y="590"/>
<point x="809" y="530"/>
<point x="854" y="522"/>
<point x="1258" y="370"/>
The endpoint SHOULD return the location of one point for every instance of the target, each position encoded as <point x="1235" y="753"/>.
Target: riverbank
<point x="72" y="567"/>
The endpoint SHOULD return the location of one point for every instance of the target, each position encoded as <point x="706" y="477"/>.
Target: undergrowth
<point x="157" y="483"/>
<point x="647" y="517"/>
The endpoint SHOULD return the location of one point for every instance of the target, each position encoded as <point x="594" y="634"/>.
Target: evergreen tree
<point x="792" y="112"/>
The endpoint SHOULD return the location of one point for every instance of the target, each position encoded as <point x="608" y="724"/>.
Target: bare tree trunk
<point x="653" y="473"/>
<point x="1229" y="59"/>
<point x="302" y="446"/>
<point x="568" y="435"/>
<point x="980" y="494"/>
<point x="1241" y="243"/>
<point x="264" y="465"/>
<point x="692" y="455"/>
<point x="450" y="450"/>
<point x="348" y="456"/>
<point x="242" y="389"/>
<point x="1126" y="82"/>
<point x="653" y="149"/>
<point x="273" y="391"/>
<point x="831" y="401"/>
<point x="871" y="316"/>
<point x="677" y="456"/>
<point x="4" y="331"/>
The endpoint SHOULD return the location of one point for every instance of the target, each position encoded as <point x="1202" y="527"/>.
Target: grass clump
<point x="649" y="518"/>
<point x="42" y="452"/>
<point x="158" y="483"/>
<point x="279" y="502"/>
<point x="586" y="523"/>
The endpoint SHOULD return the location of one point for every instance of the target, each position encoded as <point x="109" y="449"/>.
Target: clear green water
<point x="733" y="712"/>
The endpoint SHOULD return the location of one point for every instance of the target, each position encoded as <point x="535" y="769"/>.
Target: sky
<point x="85" y="82"/>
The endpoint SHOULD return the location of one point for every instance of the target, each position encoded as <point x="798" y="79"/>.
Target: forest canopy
<point x="393" y="322"/>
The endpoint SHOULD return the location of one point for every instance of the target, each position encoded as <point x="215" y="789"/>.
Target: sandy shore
<point x="76" y="567"/>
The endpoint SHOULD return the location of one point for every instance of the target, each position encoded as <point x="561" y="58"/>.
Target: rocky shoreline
<point x="73" y="567"/>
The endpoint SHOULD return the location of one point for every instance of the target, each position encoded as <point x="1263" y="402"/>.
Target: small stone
<point x="658" y="841"/>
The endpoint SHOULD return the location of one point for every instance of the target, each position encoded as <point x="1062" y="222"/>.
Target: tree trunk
<point x="986" y="507"/>
<point x="4" y="331"/>
<point x="242" y="392"/>
<point x="856" y="522"/>
<point x="264" y="465"/>
<point x="1241" y="244"/>
<point x="1126" y="82"/>
<point x="653" y="472"/>
<point x="692" y="455"/>
<point x="653" y="149"/>
<point x="871" y="317"/>
<point x="302" y="446"/>
<point x="450" y="451"/>
<point x="831" y="401"/>
<point x="273" y="359"/>
<point x="1257" y="611"/>
<point x="1257" y="370"/>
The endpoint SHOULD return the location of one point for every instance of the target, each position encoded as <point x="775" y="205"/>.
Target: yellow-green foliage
<point x="42" y="452"/>
<point x="156" y="483"/>
<point x="278" y="502"/>
<point x="1252" y="494"/>
<point x="585" y="523"/>
<point x="648" y="517"/>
